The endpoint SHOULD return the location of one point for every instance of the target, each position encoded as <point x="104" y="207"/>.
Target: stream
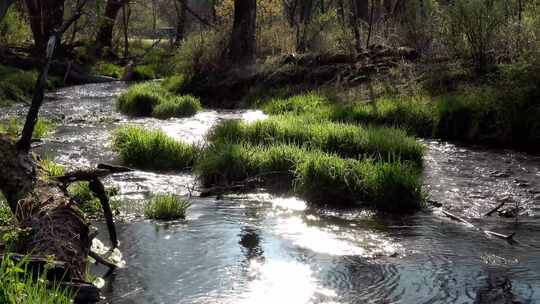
<point x="260" y="248"/>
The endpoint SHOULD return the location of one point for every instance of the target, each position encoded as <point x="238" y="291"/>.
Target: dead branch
<point x="495" y="209"/>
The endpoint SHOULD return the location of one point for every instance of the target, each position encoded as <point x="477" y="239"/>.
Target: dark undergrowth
<point x="18" y="85"/>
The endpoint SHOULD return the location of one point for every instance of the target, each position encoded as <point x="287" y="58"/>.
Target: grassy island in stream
<point x="150" y="99"/>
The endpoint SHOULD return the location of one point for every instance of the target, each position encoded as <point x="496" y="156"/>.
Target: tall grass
<point x="178" y="106"/>
<point x="18" y="285"/>
<point x="151" y="99"/>
<point x="317" y="176"/>
<point x="152" y="149"/>
<point x="140" y="99"/>
<point x="344" y="139"/>
<point x="166" y="207"/>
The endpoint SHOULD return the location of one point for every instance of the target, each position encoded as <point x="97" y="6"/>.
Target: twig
<point x="495" y="209"/>
<point x="102" y="260"/>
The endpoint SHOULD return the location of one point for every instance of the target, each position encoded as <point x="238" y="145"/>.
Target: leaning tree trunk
<point x="105" y="32"/>
<point x="45" y="16"/>
<point x="57" y="228"/>
<point x="243" y="44"/>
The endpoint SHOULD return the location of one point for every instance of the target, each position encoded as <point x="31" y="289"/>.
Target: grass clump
<point x="52" y="168"/>
<point x="226" y="163"/>
<point x="416" y="115"/>
<point x="387" y="186"/>
<point x="151" y="99"/>
<point x="319" y="177"/>
<point x="109" y="69"/>
<point x="346" y="140"/>
<point x="310" y="103"/>
<point x="152" y="149"/>
<point x="19" y="285"/>
<point x="179" y="106"/>
<point x="141" y="99"/>
<point x="144" y="72"/>
<point x="166" y="207"/>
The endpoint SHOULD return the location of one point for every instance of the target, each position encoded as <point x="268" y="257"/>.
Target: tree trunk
<point x="306" y="9"/>
<point x="180" y="8"/>
<point x="243" y="40"/>
<point x="57" y="227"/>
<point x="359" y="14"/>
<point x="45" y="17"/>
<point x="105" y="32"/>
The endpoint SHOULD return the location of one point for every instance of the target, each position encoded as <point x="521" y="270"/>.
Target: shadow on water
<point x="258" y="248"/>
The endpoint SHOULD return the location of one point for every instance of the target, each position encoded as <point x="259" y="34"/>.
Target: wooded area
<point x="463" y="70"/>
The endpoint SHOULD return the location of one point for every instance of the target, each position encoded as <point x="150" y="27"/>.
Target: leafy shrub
<point x="175" y="84"/>
<point x="144" y="72"/>
<point x="200" y="53"/>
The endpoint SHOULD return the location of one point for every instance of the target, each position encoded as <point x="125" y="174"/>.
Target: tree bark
<point x="180" y="8"/>
<point x="105" y="32"/>
<point x="243" y="40"/>
<point x="45" y="16"/>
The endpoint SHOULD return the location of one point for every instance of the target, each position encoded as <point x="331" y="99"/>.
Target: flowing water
<point x="259" y="248"/>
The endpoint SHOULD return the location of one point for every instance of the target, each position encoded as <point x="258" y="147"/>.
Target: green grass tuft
<point x="344" y="139"/>
<point x="141" y="99"/>
<point x="144" y="72"/>
<point x="6" y="216"/>
<point x="179" y="106"/>
<point x="317" y="176"/>
<point x="149" y="149"/>
<point x="166" y="207"/>
<point x="109" y="69"/>
<point x="151" y="99"/>
<point x="19" y="285"/>
<point x="42" y="129"/>
<point x="310" y="103"/>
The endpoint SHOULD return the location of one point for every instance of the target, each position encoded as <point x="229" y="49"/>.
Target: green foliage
<point x="226" y="163"/>
<point x="388" y="186"/>
<point x="109" y="69"/>
<point x="13" y="127"/>
<point x="144" y="72"/>
<point x="19" y="285"/>
<point x="141" y="99"/>
<point x="151" y="99"/>
<point x="344" y="139"/>
<point x="200" y="53"/>
<point x="6" y="216"/>
<point x="319" y="177"/>
<point x="53" y="169"/>
<point x="473" y="26"/>
<point x="149" y="149"/>
<point x="415" y="114"/>
<point x="178" y="106"/>
<point x="166" y="207"/>
<point x="298" y="104"/>
<point x="175" y="84"/>
<point x="13" y="28"/>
